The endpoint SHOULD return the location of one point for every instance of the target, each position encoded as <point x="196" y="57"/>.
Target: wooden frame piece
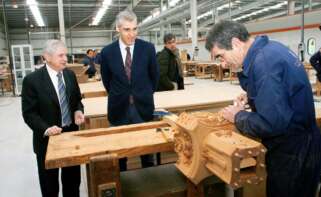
<point x="104" y="177"/>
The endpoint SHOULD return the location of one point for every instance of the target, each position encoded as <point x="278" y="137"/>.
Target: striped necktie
<point x="128" y="63"/>
<point x="64" y="107"/>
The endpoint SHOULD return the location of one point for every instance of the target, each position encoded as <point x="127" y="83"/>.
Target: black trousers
<point x="49" y="179"/>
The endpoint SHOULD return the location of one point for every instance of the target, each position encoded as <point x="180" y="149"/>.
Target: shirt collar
<point x="51" y="71"/>
<point x="259" y="43"/>
<point x="122" y="45"/>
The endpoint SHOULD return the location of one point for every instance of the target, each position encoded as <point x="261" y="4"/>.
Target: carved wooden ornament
<point x="207" y="144"/>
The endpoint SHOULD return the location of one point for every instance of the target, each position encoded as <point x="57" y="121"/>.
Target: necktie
<point x="64" y="107"/>
<point x="128" y="63"/>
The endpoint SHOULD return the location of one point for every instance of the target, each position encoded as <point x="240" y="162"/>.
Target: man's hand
<point x="230" y="112"/>
<point x="241" y="100"/>
<point x="175" y="86"/>
<point x="79" y="118"/>
<point x="54" y="130"/>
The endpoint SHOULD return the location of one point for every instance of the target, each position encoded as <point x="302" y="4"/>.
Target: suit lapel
<point x="48" y="86"/>
<point x="137" y="51"/>
<point x="119" y="57"/>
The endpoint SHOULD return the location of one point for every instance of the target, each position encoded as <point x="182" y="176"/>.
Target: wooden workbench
<point x="92" y="89"/>
<point x="75" y="148"/>
<point x="203" y="98"/>
<point x="81" y="147"/>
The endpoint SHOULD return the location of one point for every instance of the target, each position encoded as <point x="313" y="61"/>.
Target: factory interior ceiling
<point x="151" y="13"/>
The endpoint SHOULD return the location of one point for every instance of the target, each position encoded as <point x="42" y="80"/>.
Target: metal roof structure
<point x="80" y="13"/>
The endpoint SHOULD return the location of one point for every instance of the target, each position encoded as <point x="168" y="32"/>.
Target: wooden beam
<point x="75" y="148"/>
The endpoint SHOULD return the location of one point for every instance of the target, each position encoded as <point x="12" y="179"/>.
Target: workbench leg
<point x="103" y="176"/>
<point x="194" y="190"/>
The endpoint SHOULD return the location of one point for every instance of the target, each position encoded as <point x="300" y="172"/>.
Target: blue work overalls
<point x="283" y="117"/>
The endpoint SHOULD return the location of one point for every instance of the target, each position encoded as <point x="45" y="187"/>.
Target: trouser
<point x="49" y="180"/>
<point x="294" y="174"/>
<point x="146" y="160"/>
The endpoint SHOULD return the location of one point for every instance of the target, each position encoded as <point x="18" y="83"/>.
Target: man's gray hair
<point x="221" y="35"/>
<point x="126" y="15"/>
<point x="52" y="45"/>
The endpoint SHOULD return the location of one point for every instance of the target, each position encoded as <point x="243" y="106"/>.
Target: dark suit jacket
<point x="144" y="78"/>
<point x="315" y="61"/>
<point x="40" y="104"/>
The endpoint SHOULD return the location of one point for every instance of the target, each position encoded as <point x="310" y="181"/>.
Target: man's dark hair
<point x="168" y="37"/>
<point x="221" y="35"/>
<point x="89" y="50"/>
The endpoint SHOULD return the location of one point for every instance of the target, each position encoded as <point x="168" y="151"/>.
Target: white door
<point x="22" y="64"/>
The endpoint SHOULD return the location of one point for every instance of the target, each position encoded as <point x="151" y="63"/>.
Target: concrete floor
<point x="18" y="167"/>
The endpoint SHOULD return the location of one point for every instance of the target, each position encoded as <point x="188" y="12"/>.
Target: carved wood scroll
<point x="207" y="144"/>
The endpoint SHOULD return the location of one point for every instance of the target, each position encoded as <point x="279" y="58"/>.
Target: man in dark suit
<point x="171" y="75"/>
<point x="315" y="61"/>
<point x="51" y="104"/>
<point x="129" y="73"/>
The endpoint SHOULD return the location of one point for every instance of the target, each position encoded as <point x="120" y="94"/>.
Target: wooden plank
<point x="175" y="101"/>
<point x="75" y="148"/>
<point x="92" y="89"/>
<point x="77" y="68"/>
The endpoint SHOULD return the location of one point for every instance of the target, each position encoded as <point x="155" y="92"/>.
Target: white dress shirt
<point x="123" y="50"/>
<point x="54" y="79"/>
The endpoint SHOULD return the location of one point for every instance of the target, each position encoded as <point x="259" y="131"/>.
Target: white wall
<point x="288" y="38"/>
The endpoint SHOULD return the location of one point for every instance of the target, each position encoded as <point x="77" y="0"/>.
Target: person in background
<point x="282" y="110"/>
<point x="51" y="105"/>
<point x="171" y="76"/>
<point x="89" y="63"/>
<point x="315" y="62"/>
<point x="130" y="74"/>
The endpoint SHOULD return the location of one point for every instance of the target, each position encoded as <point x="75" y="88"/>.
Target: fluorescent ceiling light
<point x="101" y="12"/>
<point x="33" y="5"/>
<point x="173" y="3"/>
<point x="156" y="11"/>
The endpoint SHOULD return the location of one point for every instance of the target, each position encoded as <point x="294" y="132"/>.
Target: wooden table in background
<point x="204" y="69"/>
<point x="189" y="68"/>
<point x="209" y="98"/>
<point x="92" y="89"/>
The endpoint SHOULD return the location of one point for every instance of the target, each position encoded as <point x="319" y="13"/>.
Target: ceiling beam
<point x="130" y="6"/>
<point x="80" y="5"/>
<point x="248" y="7"/>
<point x="175" y="14"/>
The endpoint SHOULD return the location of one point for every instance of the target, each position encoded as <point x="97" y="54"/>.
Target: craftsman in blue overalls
<point x="282" y="111"/>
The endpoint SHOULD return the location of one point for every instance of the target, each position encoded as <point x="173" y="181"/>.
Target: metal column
<point x="302" y="44"/>
<point x="61" y="21"/>
<point x="6" y="31"/>
<point x="161" y="33"/>
<point x="291" y="7"/>
<point x="193" y="4"/>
